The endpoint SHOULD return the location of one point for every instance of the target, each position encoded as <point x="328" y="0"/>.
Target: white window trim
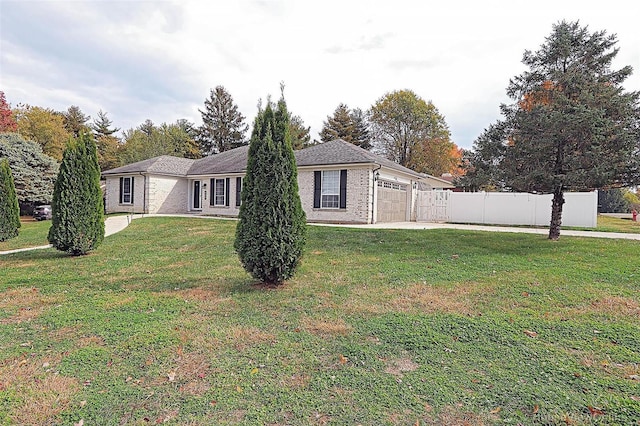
<point x="216" y="195"/>
<point x="323" y="202"/>
<point x="127" y="194"/>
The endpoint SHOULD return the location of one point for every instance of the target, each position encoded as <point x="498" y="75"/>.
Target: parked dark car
<point x="42" y="212"/>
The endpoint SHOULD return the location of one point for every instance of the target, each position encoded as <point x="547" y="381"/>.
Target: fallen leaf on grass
<point x="530" y="333"/>
<point x="536" y="409"/>
<point x="594" y="411"/>
<point x="633" y="377"/>
<point x="171" y="376"/>
<point x="238" y="389"/>
<point x="343" y="359"/>
<point x="496" y="410"/>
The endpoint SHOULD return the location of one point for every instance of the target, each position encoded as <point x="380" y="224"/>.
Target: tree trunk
<point x="556" y="214"/>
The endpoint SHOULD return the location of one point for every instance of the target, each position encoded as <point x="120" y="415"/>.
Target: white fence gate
<point x="505" y="208"/>
<point x="433" y="206"/>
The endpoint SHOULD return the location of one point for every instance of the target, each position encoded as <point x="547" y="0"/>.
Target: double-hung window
<point x="330" y="189"/>
<point x="330" y="193"/>
<point x="126" y="190"/>
<point x="219" y="192"/>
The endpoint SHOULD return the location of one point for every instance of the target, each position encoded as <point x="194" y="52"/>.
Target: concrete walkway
<point x="114" y="224"/>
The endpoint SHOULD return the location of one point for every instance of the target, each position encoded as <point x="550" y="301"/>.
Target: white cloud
<point x="159" y="59"/>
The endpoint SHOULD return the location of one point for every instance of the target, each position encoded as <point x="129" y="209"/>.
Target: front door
<point x="197" y="205"/>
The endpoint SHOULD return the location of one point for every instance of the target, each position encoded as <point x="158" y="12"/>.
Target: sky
<point x="158" y="60"/>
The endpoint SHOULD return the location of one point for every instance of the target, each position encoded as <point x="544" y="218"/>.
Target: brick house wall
<point x="359" y="196"/>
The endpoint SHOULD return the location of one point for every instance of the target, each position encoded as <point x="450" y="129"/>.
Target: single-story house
<point x="338" y="181"/>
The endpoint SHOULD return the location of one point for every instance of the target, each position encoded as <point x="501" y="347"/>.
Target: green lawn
<point x="31" y="234"/>
<point x="612" y="224"/>
<point x="162" y="325"/>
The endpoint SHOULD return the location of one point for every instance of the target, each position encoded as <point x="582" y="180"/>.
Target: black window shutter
<point x="131" y="189"/>
<point x="238" y="190"/>
<point x="121" y="189"/>
<point x="226" y="192"/>
<point x="317" y="189"/>
<point x="343" y="189"/>
<point x="212" y="193"/>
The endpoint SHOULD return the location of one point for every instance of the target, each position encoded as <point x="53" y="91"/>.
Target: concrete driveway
<point x="513" y="229"/>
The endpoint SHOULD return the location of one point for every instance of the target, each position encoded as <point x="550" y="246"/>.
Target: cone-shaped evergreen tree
<point x="271" y="232"/>
<point x="78" y="213"/>
<point x="9" y="209"/>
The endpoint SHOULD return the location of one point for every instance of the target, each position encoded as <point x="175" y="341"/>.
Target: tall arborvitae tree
<point x="571" y="126"/>
<point x="223" y="125"/>
<point x="78" y="213"/>
<point x="271" y="232"/>
<point x="9" y="209"/>
<point x="7" y="121"/>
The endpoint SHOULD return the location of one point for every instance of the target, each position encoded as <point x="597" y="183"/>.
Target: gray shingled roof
<point x="339" y="151"/>
<point x="235" y="161"/>
<point x="164" y="165"/>
<point x="232" y="161"/>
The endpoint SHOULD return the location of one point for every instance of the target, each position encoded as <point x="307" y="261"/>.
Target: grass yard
<point x="31" y="234"/>
<point x="162" y="325"/>
<point x="612" y="224"/>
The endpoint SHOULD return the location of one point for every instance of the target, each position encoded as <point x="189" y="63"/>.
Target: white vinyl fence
<point x="502" y="208"/>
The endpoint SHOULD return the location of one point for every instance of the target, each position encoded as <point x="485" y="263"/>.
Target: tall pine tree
<point x="571" y="126"/>
<point x="9" y="209"/>
<point x="101" y="125"/>
<point x="78" y="213"/>
<point x="348" y="125"/>
<point x="223" y="127"/>
<point x="271" y="232"/>
<point x="75" y="121"/>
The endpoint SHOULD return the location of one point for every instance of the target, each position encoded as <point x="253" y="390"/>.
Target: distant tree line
<point x="400" y="126"/>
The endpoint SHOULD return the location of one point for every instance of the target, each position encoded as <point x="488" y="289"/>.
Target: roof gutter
<point x="144" y="193"/>
<point x="373" y="191"/>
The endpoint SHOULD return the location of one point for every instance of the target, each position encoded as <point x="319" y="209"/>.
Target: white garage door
<point x="392" y="201"/>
